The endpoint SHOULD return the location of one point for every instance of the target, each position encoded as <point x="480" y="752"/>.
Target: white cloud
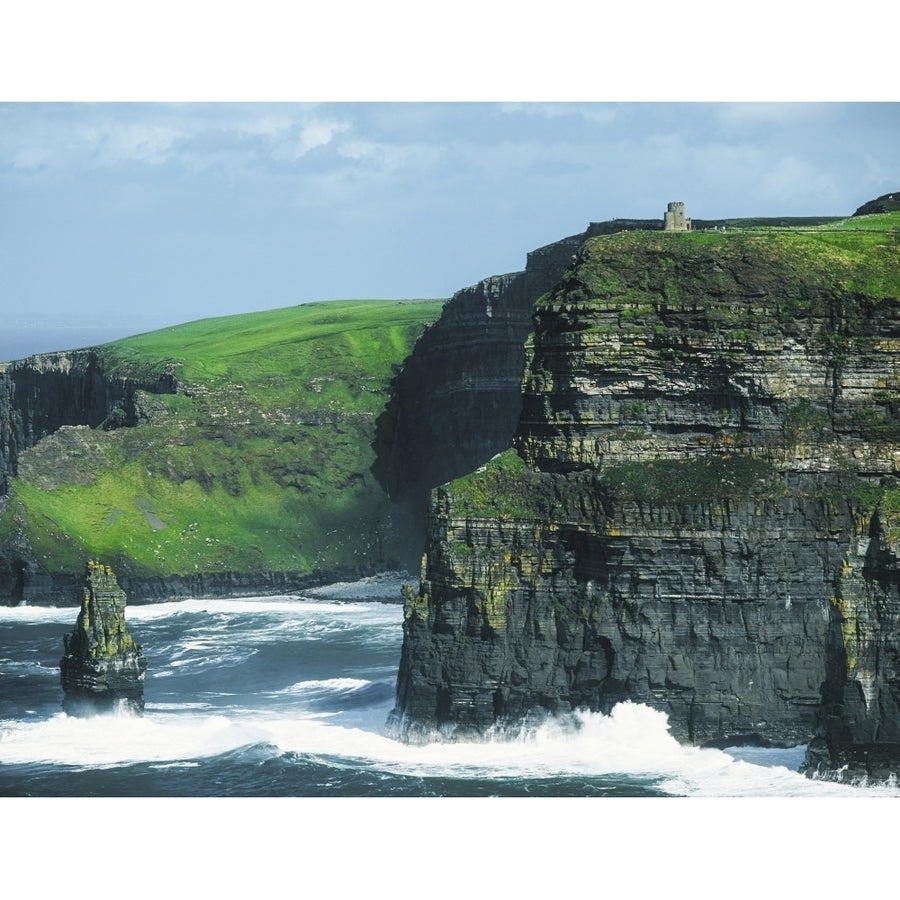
<point x="595" y="113"/>
<point x="268" y="125"/>
<point x="66" y="138"/>
<point x="395" y="157"/>
<point x="80" y="136"/>
<point x="111" y="142"/>
<point x="318" y="133"/>
<point x="28" y="156"/>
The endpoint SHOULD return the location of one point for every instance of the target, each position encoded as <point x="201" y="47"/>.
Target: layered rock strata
<point x="102" y="667"/>
<point x="456" y="400"/>
<point x="859" y="722"/>
<point x="697" y="510"/>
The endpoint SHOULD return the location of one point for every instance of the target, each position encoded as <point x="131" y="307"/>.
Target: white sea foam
<point x="332" y="685"/>
<point x="281" y="606"/>
<point x="34" y="615"/>
<point x="123" y="738"/>
<point x="284" y="607"/>
<point x="633" y="742"/>
<point x="178" y="706"/>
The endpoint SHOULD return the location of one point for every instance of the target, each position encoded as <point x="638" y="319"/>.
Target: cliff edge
<point x="699" y="509"/>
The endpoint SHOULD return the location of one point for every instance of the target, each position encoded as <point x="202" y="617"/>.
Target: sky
<point x="126" y="215"/>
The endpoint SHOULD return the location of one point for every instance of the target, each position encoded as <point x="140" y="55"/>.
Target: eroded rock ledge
<point x="699" y="512"/>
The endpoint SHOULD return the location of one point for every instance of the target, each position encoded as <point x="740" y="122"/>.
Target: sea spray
<point x="122" y="738"/>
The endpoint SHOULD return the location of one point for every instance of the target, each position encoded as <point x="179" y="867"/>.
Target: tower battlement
<point x="674" y="219"/>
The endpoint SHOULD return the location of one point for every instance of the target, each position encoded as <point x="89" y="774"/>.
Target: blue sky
<point x="127" y="216"/>
<point x="185" y="211"/>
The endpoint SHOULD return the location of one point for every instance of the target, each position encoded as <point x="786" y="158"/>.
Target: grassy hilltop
<point x="854" y="256"/>
<point x="260" y="462"/>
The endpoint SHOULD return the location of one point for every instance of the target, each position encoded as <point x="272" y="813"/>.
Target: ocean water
<point x="288" y="697"/>
<point x="260" y="767"/>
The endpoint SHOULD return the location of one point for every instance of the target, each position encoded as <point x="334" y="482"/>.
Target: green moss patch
<point x="692" y="481"/>
<point x="504" y="488"/>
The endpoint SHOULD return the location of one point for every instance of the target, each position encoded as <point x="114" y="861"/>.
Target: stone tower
<point x="674" y="219"/>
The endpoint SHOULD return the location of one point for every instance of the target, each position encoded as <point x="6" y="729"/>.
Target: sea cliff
<point x="223" y="457"/>
<point x="456" y="399"/>
<point x="698" y="510"/>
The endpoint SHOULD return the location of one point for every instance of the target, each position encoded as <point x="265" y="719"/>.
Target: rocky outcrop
<point x="67" y="394"/>
<point x="43" y="393"/>
<point x="709" y="425"/>
<point x="102" y="667"/>
<point x="31" y="584"/>
<point x="456" y="400"/>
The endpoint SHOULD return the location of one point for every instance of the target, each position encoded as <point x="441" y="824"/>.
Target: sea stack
<point x="102" y="664"/>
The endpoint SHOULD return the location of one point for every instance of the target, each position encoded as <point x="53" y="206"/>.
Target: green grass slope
<point x="259" y="464"/>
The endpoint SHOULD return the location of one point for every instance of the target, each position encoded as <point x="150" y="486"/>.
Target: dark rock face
<point x="102" y="665"/>
<point x="883" y="204"/>
<point x="859" y="725"/>
<point x="43" y="393"/>
<point x="456" y="401"/>
<point x="700" y="510"/>
<point x="706" y="611"/>
<point x="456" y="398"/>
